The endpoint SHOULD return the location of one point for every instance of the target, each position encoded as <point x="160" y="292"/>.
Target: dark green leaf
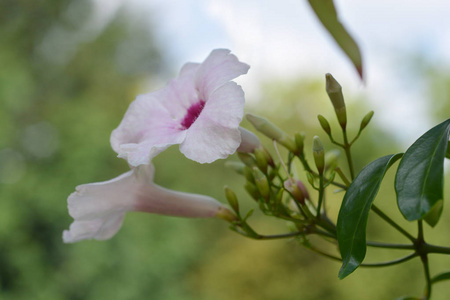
<point x="326" y="12"/>
<point x="408" y="298"/>
<point x="448" y="150"/>
<point x="419" y="182"/>
<point x="441" y="277"/>
<point x="352" y="219"/>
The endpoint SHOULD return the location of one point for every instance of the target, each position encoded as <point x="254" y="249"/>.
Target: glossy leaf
<point x="419" y="182"/>
<point x="441" y="277"/>
<point x="352" y="219"/>
<point x="326" y="12"/>
<point x="448" y="150"/>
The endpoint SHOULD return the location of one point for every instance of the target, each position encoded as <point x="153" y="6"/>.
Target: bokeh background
<point x="68" y="71"/>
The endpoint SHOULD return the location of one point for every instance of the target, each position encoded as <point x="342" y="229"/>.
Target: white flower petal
<point x="201" y="94"/>
<point x="217" y="69"/>
<point x="207" y="141"/>
<point x="98" y="209"/>
<point x="225" y="106"/>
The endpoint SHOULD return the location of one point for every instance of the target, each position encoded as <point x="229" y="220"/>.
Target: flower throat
<point x="192" y="114"/>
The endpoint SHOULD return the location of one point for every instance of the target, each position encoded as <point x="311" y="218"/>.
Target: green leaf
<point x="408" y="298"/>
<point x="441" y="277"/>
<point x="419" y="182"/>
<point x="326" y="12"/>
<point x="448" y="150"/>
<point x="352" y="219"/>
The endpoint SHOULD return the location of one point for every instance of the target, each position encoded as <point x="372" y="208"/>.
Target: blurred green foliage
<point x="65" y="83"/>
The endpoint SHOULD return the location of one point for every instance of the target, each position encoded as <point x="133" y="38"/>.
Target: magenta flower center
<point x="192" y="114"/>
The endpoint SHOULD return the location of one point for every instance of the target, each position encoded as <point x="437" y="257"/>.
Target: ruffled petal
<point x="146" y="129"/>
<point x="207" y="141"/>
<point x="98" y="209"/>
<point x="217" y="69"/>
<point x="225" y="106"/>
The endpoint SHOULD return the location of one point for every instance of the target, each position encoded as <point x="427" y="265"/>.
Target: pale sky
<point x="283" y="39"/>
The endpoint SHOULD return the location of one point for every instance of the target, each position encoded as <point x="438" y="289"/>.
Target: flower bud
<point x="261" y="160"/>
<point x="273" y="173"/>
<point x="324" y="123"/>
<point x="252" y="190"/>
<point x="249" y="141"/>
<point x="271" y="131"/>
<point x="310" y="178"/>
<point x="261" y="183"/>
<point x="226" y="214"/>
<point x="236" y="166"/>
<point x="247" y="159"/>
<point x="331" y="159"/>
<point x="232" y="199"/>
<point x="299" y="142"/>
<point x="319" y="154"/>
<point x="365" y="121"/>
<point x="334" y="91"/>
<point x="249" y="174"/>
<point x="297" y="190"/>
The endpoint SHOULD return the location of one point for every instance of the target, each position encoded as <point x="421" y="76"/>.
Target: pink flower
<point x="200" y="110"/>
<point x="98" y="208"/>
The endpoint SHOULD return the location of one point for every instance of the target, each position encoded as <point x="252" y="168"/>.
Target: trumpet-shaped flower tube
<point x="200" y="110"/>
<point x="98" y="209"/>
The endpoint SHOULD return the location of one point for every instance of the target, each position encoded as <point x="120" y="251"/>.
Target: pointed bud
<point x="297" y="190"/>
<point x="261" y="183"/>
<point x="249" y="141"/>
<point x="268" y="157"/>
<point x="310" y="178"/>
<point x="261" y="160"/>
<point x="279" y="196"/>
<point x="331" y="159"/>
<point x="232" y="199"/>
<point x="365" y="121"/>
<point x="324" y="123"/>
<point x="236" y="166"/>
<point x="249" y="174"/>
<point x="226" y="214"/>
<point x="319" y="154"/>
<point x="247" y="159"/>
<point x="273" y="173"/>
<point x="334" y="91"/>
<point x="299" y="142"/>
<point x="271" y="131"/>
<point x="252" y="190"/>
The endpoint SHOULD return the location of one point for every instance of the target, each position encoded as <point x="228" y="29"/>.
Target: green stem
<point x="348" y="154"/>
<point x="436" y="249"/>
<point x="429" y="284"/>
<point x="420" y="231"/>
<point x="390" y="263"/>
<point x="308" y="169"/>
<point x="343" y="177"/>
<point x="390" y="246"/>
<point x="377" y="244"/>
<point x="276" y="236"/>
<point x="367" y="265"/>
<point x="321" y="194"/>
<point x="392" y="223"/>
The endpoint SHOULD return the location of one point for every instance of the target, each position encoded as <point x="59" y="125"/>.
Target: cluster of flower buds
<point x="273" y="186"/>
